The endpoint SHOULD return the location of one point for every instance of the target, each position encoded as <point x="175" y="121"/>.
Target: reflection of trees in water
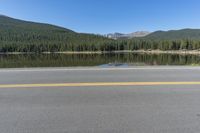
<point x="62" y="60"/>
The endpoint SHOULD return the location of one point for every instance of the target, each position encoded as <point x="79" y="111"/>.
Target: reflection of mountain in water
<point x="115" y="65"/>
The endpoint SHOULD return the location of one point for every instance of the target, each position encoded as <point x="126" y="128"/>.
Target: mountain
<point x="193" y="34"/>
<point x="115" y="35"/>
<point x="128" y="36"/>
<point x="24" y="36"/>
<point x="6" y="23"/>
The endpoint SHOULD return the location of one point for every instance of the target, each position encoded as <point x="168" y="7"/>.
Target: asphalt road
<point x="100" y="109"/>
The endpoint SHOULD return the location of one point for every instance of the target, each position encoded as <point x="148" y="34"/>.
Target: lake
<point x="101" y="60"/>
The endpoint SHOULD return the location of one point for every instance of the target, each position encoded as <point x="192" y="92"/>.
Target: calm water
<point x="102" y="60"/>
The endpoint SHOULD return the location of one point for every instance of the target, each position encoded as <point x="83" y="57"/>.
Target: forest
<point x="23" y="36"/>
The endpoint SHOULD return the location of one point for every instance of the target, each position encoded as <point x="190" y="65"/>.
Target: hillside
<point x="175" y="34"/>
<point x="23" y="36"/>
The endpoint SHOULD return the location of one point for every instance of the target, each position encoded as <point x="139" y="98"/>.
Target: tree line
<point x="88" y="43"/>
<point x="22" y="36"/>
<point x="40" y="38"/>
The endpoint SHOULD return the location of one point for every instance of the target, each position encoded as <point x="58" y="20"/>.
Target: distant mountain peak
<point x="117" y="35"/>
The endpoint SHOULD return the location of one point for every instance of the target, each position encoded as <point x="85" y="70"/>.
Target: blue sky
<point x="107" y="16"/>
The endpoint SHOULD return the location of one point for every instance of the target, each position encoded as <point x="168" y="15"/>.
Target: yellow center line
<point x="96" y="84"/>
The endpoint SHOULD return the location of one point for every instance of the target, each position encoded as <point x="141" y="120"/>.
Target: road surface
<point x="100" y="100"/>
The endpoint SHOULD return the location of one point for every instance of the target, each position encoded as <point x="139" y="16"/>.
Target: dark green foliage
<point x="22" y="36"/>
<point x="193" y="34"/>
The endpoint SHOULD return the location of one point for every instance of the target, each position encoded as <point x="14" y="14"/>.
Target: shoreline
<point x="181" y="52"/>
